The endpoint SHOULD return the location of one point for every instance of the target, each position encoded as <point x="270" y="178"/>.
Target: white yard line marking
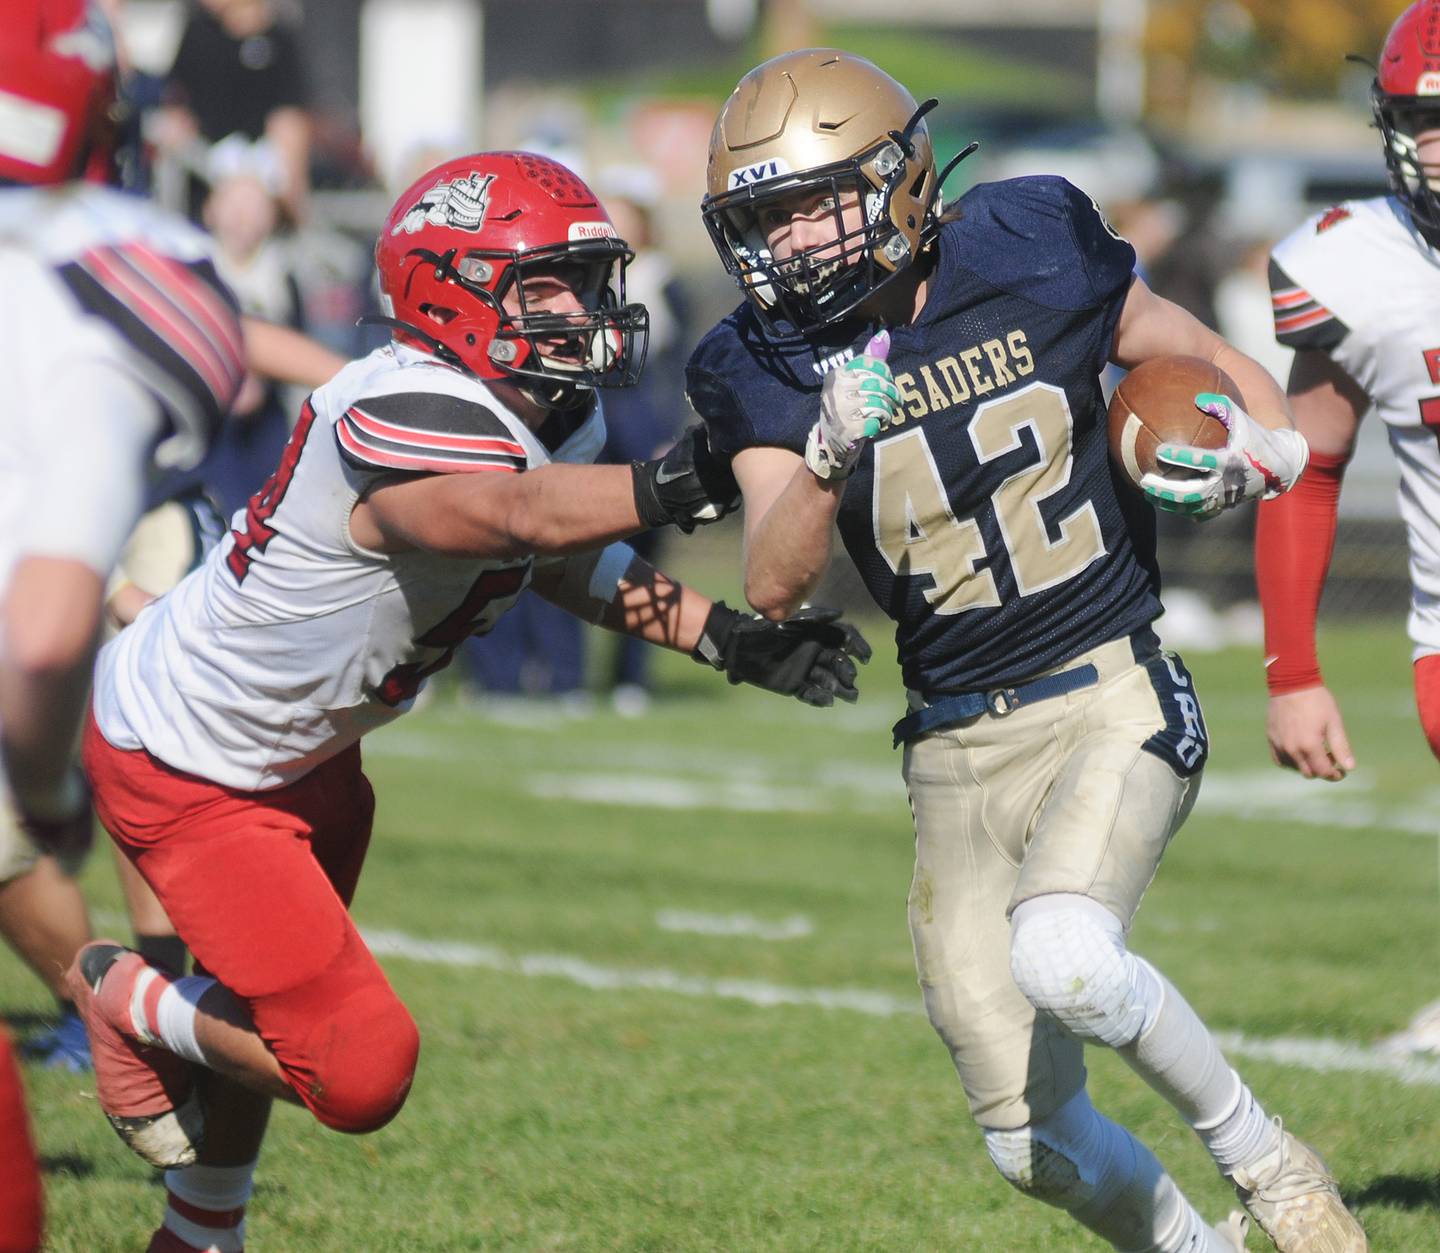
<point x="1291" y="800"/>
<point x="1318" y="1055"/>
<point x="655" y="776"/>
<point x="792" y="928"/>
<point x="649" y="791"/>
<point x="1329" y="1056"/>
<point x="609" y="979"/>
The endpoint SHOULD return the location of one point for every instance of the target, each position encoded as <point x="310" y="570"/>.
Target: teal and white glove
<point x="1254" y="461"/>
<point x="858" y="401"/>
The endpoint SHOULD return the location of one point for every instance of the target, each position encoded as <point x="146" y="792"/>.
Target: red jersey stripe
<point x="160" y="314"/>
<point x="435" y="464"/>
<point x="1302" y="321"/>
<point x="185" y="287"/>
<point x="1290" y="298"/>
<point x="372" y="425"/>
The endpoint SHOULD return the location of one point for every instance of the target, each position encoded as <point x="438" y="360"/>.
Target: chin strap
<point x="557" y="396"/>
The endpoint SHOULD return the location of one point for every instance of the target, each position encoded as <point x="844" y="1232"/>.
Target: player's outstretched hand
<point x="1307" y="734"/>
<point x="691" y="485"/>
<point x="857" y="402"/>
<point x="1254" y="461"/>
<point x="810" y="656"/>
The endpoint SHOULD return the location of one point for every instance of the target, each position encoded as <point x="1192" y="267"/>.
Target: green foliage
<point x="1295" y="46"/>
<point x="942" y="66"/>
<point x="554" y="1111"/>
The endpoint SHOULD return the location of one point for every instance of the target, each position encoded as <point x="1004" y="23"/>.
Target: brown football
<point x="1155" y="404"/>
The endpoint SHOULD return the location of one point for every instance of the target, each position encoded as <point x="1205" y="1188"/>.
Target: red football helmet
<point x="57" y="88"/>
<point x="465" y="237"/>
<point x="1406" y="99"/>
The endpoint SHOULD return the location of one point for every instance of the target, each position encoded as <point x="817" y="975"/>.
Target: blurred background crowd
<point x="1206" y="129"/>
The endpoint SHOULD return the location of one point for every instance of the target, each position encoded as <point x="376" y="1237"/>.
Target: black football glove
<point x="810" y="656"/>
<point x="689" y="486"/>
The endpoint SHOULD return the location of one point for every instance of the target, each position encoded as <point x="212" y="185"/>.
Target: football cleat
<point x="147" y="1092"/>
<point x="1294" y="1199"/>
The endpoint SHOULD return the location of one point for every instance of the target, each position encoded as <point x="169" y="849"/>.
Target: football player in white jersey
<point x="1355" y="293"/>
<point x="423" y="489"/>
<point x="123" y="351"/>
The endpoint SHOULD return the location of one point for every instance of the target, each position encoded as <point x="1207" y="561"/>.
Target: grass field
<point x="664" y="984"/>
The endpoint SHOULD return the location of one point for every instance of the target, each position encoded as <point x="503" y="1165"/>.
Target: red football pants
<point x="257" y="885"/>
<point x="20" y="1208"/>
<point x="1427" y="698"/>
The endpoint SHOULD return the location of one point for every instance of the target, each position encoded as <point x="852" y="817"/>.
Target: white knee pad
<point x="1068" y="957"/>
<point x="1081" y="1162"/>
<point x="1056" y="1160"/>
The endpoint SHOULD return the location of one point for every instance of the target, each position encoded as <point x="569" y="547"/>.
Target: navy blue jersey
<point x="987" y="522"/>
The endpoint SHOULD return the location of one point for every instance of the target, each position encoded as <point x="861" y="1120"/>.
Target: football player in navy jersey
<point x="927" y="379"/>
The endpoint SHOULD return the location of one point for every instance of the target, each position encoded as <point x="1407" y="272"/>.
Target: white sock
<point x="1178" y="1057"/>
<point x="1242" y="1136"/>
<point x="1144" y="1198"/>
<point x="206" y="1205"/>
<point x="1082" y="1162"/>
<point x="174" y="1024"/>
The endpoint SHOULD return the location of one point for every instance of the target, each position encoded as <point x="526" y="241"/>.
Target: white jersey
<point x="292" y="641"/>
<point x="1360" y="284"/>
<point x="123" y="352"/>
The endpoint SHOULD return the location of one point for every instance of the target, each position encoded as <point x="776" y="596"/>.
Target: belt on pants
<point x="998" y="702"/>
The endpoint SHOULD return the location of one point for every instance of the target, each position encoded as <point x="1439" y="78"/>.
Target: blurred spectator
<point x="238" y="70"/>
<point x="243" y="212"/>
<point x="535" y="650"/>
<point x="644" y="420"/>
<point x="1242" y="306"/>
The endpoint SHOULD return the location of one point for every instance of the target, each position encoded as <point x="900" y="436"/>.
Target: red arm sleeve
<point x="1294" y="537"/>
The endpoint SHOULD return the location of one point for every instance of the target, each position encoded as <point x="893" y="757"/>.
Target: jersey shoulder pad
<point x="427" y="432"/>
<point x="1042" y="238"/>
<point x="751" y="391"/>
<point x="1301" y="321"/>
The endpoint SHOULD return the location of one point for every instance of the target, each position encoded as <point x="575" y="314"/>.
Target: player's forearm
<point x="1294" y="538"/>
<point x="51" y="623"/>
<point x="1265" y="399"/>
<point x="562" y="509"/>
<point x="621" y="592"/>
<point x="651" y="606"/>
<point x="551" y="511"/>
<point x="41" y="712"/>
<point x="279" y="352"/>
<point x="788" y="551"/>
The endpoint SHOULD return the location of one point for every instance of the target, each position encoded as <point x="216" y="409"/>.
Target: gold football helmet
<point x="817" y="121"/>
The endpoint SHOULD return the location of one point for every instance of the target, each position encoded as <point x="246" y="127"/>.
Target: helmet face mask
<point x="801" y="128"/>
<point x="1405" y="97"/>
<point x="814" y="286"/>
<point x="505" y="265"/>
